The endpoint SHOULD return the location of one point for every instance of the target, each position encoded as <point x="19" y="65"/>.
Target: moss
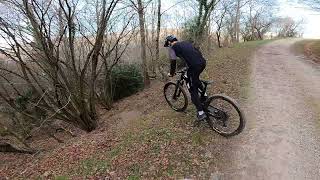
<point x="61" y="178"/>
<point x="135" y="173"/>
<point x="197" y="139"/>
<point x="92" y="166"/>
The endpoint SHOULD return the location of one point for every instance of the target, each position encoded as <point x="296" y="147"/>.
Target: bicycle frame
<point x="182" y="80"/>
<point x="215" y="111"/>
<point x="210" y="110"/>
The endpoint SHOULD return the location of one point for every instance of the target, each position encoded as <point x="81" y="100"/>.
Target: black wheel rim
<point x="224" y="117"/>
<point x="177" y="102"/>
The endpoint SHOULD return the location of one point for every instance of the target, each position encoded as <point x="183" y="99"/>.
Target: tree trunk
<point x="94" y="62"/>
<point x="157" y="41"/>
<point x="218" y="38"/>
<point x="143" y="44"/>
<point x="205" y="10"/>
<point x="208" y="34"/>
<point x="152" y="45"/>
<point x="260" y="34"/>
<point x="108" y="90"/>
<point x="237" y="23"/>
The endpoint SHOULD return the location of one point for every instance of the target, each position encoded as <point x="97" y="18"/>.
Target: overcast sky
<point x="298" y="11"/>
<point x="286" y="8"/>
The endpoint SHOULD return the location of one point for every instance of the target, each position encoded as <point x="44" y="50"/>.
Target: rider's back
<point x="189" y="53"/>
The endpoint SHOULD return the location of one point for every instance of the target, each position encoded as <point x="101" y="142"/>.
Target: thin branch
<point x="56" y="112"/>
<point x="172" y="7"/>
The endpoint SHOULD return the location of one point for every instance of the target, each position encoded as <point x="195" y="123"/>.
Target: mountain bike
<point x="223" y="114"/>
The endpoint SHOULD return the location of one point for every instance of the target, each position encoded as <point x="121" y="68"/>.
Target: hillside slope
<point x="143" y="138"/>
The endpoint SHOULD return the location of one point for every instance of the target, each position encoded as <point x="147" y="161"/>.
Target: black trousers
<point x="195" y="84"/>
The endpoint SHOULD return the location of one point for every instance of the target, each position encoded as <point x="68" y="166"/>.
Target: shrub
<point x="126" y="80"/>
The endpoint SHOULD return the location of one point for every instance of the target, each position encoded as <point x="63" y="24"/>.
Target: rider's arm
<point x="173" y="61"/>
<point x="173" y="66"/>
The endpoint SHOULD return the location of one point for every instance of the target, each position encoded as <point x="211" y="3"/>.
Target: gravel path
<point x="282" y="138"/>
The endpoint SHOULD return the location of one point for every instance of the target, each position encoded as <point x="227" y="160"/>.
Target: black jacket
<point x="186" y="51"/>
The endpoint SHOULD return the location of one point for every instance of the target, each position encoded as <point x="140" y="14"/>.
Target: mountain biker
<point x="196" y="64"/>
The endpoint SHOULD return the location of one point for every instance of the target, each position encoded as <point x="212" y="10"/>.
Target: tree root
<point x="8" y="147"/>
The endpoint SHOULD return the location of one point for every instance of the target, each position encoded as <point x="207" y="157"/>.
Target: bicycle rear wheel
<point x="224" y="115"/>
<point x="176" y="97"/>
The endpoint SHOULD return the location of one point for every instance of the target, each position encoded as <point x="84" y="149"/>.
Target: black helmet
<point x="169" y="38"/>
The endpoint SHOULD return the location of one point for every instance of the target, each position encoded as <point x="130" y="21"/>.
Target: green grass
<point x="170" y="171"/>
<point x="92" y="166"/>
<point x="253" y="43"/>
<point x="135" y="173"/>
<point x="61" y="178"/>
<point x="197" y="138"/>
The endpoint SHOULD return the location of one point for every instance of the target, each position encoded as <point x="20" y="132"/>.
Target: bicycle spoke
<point x="176" y="98"/>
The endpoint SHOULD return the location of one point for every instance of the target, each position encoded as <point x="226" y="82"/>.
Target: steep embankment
<point x="143" y="137"/>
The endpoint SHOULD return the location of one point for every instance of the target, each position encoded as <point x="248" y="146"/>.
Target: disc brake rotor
<point x="218" y="114"/>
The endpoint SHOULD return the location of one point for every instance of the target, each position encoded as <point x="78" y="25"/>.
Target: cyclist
<point x="196" y="64"/>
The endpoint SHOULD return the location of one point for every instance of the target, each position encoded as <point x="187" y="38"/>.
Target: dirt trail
<point x="282" y="138"/>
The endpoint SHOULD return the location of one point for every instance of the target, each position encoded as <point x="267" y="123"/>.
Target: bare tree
<point x="159" y="14"/>
<point x="259" y="20"/>
<point x="205" y="9"/>
<point x="220" y="20"/>
<point x="229" y="25"/>
<point x="239" y="5"/>
<point x="139" y="7"/>
<point x="287" y="27"/>
<point x="58" y="59"/>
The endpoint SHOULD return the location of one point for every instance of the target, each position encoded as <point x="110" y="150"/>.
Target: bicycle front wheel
<point x="176" y="97"/>
<point x="225" y="116"/>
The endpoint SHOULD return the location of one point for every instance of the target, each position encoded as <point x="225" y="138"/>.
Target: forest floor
<point x="142" y="138"/>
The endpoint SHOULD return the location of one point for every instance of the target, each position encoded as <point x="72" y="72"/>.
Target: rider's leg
<point x="194" y="93"/>
<point x="203" y="94"/>
<point x="194" y="84"/>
